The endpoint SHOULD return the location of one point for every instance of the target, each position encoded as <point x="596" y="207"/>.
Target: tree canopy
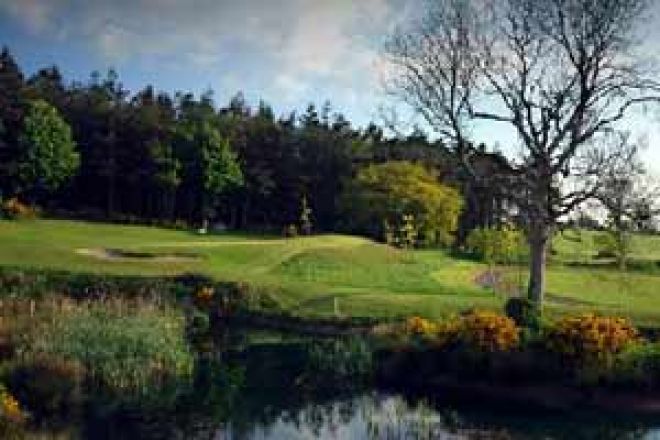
<point x="48" y="157"/>
<point x="384" y="197"/>
<point x="155" y="157"/>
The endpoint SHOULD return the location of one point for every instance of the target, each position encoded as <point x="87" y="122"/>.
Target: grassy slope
<point x="633" y="293"/>
<point x="581" y="246"/>
<point x="368" y="279"/>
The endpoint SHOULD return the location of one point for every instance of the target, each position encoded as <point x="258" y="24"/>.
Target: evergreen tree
<point x="12" y="107"/>
<point x="48" y="156"/>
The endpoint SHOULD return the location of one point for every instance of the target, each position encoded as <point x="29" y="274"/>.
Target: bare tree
<point x="645" y="213"/>
<point x="560" y="73"/>
<point x="631" y="198"/>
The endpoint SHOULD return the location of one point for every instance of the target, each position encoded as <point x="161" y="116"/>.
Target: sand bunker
<point x="123" y="255"/>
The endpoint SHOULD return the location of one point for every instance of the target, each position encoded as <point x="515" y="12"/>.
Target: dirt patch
<point x="489" y="279"/>
<point x="498" y="281"/>
<point x="124" y="255"/>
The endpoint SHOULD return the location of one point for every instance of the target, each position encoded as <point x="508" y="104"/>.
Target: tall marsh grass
<point x="123" y="345"/>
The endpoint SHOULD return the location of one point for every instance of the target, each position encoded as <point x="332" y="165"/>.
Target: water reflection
<point x="248" y="386"/>
<point x="371" y="416"/>
<point x="392" y="417"/>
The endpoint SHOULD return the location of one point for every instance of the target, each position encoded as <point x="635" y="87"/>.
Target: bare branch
<point x="560" y="73"/>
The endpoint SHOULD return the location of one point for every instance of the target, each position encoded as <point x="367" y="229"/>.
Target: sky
<point x="286" y="52"/>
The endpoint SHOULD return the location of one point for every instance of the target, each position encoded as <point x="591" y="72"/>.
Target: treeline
<point x="151" y="156"/>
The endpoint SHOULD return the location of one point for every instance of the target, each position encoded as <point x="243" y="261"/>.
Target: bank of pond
<point x="90" y="357"/>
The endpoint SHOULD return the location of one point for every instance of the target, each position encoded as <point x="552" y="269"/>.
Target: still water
<point x="377" y="416"/>
<point x="263" y="386"/>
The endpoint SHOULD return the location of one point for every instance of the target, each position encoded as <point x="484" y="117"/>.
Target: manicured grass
<point x="581" y="246"/>
<point x="328" y="274"/>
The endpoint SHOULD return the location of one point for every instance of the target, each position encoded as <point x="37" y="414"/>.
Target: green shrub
<point x="342" y="361"/>
<point x="231" y="298"/>
<point x="50" y="387"/>
<point x="123" y="350"/>
<point x="198" y="322"/>
<point x="525" y="314"/>
<point x="227" y="297"/>
<point x="21" y="284"/>
<point x="290" y="231"/>
<point x="504" y="245"/>
<point x="18" y="282"/>
<point x="406" y="233"/>
<point x="305" y="217"/>
<point x="615" y="244"/>
<point x="639" y="365"/>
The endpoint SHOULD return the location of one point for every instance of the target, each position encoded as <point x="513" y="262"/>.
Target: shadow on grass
<point x="567" y="301"/>
<point x="635" y="265"/>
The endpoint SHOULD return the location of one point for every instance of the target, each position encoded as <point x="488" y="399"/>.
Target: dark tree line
<point x="151" y="156"/>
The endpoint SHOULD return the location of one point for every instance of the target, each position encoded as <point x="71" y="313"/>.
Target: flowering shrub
<point x="420" y="326"/>
<point x="448" y="332"/>
<point x="638" y="365"/>
<point x="480" y="330"/>
<point x="489" y="331"/>
<point x="591" y="337"/>
<point x="204" y="296"/>
<point x="10" y="409"/>
<point x="15" y="209"/>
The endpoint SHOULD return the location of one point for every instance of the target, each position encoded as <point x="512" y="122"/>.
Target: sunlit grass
<point x="330" y="275"/>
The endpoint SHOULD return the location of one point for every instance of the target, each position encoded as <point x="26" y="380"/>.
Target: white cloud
<point x="293" y="41"/>
<point x="35" y="15"/>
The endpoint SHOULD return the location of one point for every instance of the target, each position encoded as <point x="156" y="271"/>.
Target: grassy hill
<point x="312" y="274"/>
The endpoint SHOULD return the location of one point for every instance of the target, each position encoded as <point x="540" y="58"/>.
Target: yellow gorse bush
<point x="420" y="326"/>
<point x="480" y="330"/>
<point x="10" y="408"/>
<point x="489" y="331"/>
<point x="448" y="332"/>
<point x="15" y="209"/>
<point x="204" y="296"/>
<point x="591" y="337"/>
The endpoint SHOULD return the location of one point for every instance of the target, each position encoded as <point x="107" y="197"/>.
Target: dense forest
<point x="153" y="157"/>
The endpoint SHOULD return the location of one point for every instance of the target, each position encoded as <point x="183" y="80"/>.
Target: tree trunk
<point x="538" y="243"/>
<point x="110" y="201"/>
<point x="622" y="251"/>
<point x="245" y="212"/>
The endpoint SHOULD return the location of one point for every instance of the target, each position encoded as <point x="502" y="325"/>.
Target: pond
<point x="383" y="416"/>
<point x="251" y="384"/>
